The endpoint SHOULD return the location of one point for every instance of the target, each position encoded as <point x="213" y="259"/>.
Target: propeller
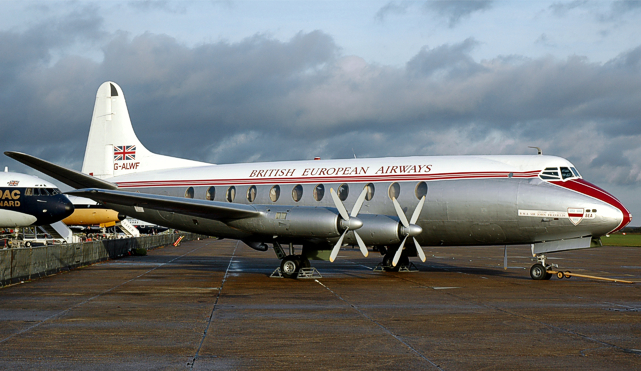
<point x="409" y="229"/>
<point x="349" y="221"/>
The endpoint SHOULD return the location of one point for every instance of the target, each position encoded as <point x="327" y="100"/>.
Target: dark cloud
<point x="263" y="99"/>
<point x="451" y="61"/>
<point x="455" y="10"/>
<point x="391" y="8"/>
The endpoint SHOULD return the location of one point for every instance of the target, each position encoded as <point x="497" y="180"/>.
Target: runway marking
<point x="381" y="326"/>
<point x="54" y="316"/>
<point x="211" y="315"/>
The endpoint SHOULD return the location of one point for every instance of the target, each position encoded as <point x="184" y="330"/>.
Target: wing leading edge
<point x="69" y="177"/>
<point x="201" y="208"/>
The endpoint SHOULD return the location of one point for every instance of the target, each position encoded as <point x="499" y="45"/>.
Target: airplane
<point x="88" y="212"/>
<point x="323" y="205"/>
<point x="28" y="201"/>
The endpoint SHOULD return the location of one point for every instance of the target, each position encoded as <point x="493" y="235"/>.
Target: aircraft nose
<point x="615" y="214"/>
<point x="69" y="209"/>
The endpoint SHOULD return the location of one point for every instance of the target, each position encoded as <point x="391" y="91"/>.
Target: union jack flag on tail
<point x="124" y="153"/>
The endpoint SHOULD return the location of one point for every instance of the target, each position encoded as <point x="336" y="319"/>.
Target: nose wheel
<point x="538" y="272"/>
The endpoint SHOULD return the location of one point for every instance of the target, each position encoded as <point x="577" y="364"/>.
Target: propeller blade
<point x="397" y="256"/>
<point x="401" y="214"/>
<point x="417" y="211"/>
<point x="361" y="244"/>
<point x="337" y="247"/>
<point x="339" y="204"/>
<point x="359" y="202"/>
<point x="419" y="250"/>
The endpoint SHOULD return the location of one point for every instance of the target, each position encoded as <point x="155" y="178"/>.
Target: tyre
<point x="289" y="266"/>
<point x="304" y="262"/>
<point x="538" y="272"/>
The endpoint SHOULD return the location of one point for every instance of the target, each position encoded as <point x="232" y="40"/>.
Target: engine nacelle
<point x="377" y="230"/>
<point x="282" y="221"/>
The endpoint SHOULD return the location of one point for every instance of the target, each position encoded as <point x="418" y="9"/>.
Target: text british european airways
<point x="329" y="171"/>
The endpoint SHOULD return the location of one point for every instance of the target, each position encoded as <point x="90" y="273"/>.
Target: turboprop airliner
<point x="394" y="205"/>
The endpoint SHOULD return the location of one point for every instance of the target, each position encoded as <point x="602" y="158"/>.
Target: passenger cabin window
<point x="231" y="194"/>
<point x="211" y="193"/>
<point x="297" y="192"/>
<point x="319" y="192"/>
<point x="343" y="191"/>
<point x="189" y="193"/>
<point x="251" y="193"/>
<point x="421" y="190"/>
<point x="394" y="190"/>
<point x="28" y="192"/>
<point x="274" y="193"/>
<point x="370" y="192"/>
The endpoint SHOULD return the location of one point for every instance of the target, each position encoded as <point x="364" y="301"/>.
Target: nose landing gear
<point x="539" y="271"/>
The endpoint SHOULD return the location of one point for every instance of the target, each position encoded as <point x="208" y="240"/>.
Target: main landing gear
<point x="292" y="265"/>
<point x="539" y="271"/>
<point x="403" y="265"/>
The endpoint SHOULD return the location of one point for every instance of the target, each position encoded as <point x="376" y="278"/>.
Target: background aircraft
<point x="324" y="204"/>
<point x="28" y="201"/>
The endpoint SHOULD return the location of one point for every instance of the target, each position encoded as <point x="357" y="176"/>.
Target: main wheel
<point x="538" y="272"/>
<point x="289" y="266"/>
<point x="304" y="262"/>
<point x="387" y="262"/>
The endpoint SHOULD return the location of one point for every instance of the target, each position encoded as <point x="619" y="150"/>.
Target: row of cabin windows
<point x="394" y="191"/>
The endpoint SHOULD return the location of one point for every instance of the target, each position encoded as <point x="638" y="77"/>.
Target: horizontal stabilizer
<point x="201" y="208"/>
<point x="69" y="177"/>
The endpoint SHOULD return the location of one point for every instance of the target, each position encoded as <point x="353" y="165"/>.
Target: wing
<point x="201" y="208"/>
<point x="69" y="177"/>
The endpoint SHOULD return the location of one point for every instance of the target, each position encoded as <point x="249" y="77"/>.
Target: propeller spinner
<point x="349" y="222"/>
<point x="409" y="229"/>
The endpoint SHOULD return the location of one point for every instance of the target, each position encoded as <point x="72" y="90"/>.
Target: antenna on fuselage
<point x="538" y="149"/>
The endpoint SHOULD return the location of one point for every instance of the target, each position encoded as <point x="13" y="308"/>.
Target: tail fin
<point x="112" y="147"/>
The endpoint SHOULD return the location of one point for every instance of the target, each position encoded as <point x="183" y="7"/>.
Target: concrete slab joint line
<point x="191" y="363"/>
<point x="381" y="326"/>
<point x="550" y="326"/>
<point x="61" y="313"/>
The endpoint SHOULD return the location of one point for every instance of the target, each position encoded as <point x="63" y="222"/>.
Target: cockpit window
<point x="550" y="173"/>
<point x="42" y="192"/>
<point x="553" y="173"/>
<point x="576" y="172"/>
<point x="566" y="173"/>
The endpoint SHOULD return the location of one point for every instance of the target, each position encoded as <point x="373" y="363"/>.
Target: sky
<point x="247" y="81"/>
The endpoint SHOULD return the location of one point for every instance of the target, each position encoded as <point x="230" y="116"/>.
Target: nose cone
<point x="616" y="215"/>
<point x="67" y="207"/>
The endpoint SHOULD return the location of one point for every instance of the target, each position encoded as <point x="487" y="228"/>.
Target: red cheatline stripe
<point x="589" y="189"/>
<point x="332" y="179"/>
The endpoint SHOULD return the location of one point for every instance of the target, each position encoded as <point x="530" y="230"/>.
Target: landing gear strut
<point x="292" y="265"/>
<point x="539" y="271"/>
